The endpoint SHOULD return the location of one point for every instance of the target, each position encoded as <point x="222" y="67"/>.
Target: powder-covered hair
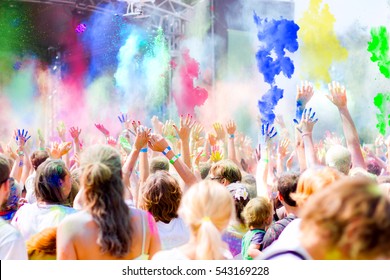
<point x="353" y="216"/>
<point x="161" y="196"/>
<point x="339" y="157"/>
<point x="207" y="208"/>
<point x="226" y="169"/>
<point x="313" y="180"/>
<point x="103" y="199"/>
<point x="48" y="182"/>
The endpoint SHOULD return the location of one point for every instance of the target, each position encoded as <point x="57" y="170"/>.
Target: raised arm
<point x="184" y="132"/>
<point x="267" y="133"/>
<point x="75" y="133"/>
<point x="231" y="130"/>
<point x="21" y="137"/>
<point x="305" y="127"/>
<point x="338" y="96"/>
<point x="159" y="144"/>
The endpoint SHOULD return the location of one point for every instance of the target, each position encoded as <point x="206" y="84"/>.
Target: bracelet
<point x="231" y="135"/>
<point x="305" y="134"/>
<point x="265" y="160"/>
<point x="144" y="150"/>
<point x="173" y="159"/>
<point x="20" y="153"/>
<point x="167" y="149"/>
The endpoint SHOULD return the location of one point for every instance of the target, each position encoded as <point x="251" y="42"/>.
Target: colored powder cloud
<point x="379" y="49"/>
<point x="380" y="101"/>
<point x="189" y="95"/>
<point x="156" y="65"/>
<point x="320" y="46"/>
<point x="276" y="37"/>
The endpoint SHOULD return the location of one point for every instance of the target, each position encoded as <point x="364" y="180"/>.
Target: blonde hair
<point x="258" y="212"/>
<point x="42" y="245"/>
<point x="207" y="208"/>
<point x="313" y="180"/>
<point x="353" y="216"/>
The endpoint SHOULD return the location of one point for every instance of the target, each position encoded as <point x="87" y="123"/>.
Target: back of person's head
<point x="204" y="169"/>
<point x="351" y="218"/>
<point x="161" y="196"/>
<point x="225" y="172"/>
<point x="287" y="184"/>
<point x="339" y="158"/>
<point x="158" y="164"/>
<point x="103" y="191"/>
<point x="5" y="169"/>
<point x="361" y="172"/>
<point x="373" y="167"/>
<point x="313" y="180"/>
<point x="207" y="208"/>
<point x="38" y="157"/>
<point x="250" y="180"/>
<point x="258" y="213"/>
<point x="42" y="245"/>
<point x="241" y="198"/>
<point x="50" y="182"/>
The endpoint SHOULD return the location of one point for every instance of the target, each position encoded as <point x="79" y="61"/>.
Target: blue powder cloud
<point x="275" y="37"/>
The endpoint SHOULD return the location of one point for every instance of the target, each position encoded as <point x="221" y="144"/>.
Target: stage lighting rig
<point x="135" y="8"/>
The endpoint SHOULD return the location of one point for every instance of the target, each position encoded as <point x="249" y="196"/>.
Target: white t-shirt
<point x="174" y="234"/>
<point x="289" y="240"/>
<point x="12" y="246"/>
<point x="30" y="190"/>
<point x="33" y="218"/>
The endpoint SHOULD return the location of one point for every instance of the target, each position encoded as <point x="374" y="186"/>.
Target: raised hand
<point x="61" y="130"/>
<point x="216" y="154"/>
<point x="220" y="132"/>
<point x="40" y="136"/>
<point x="185" y="128"/>
<point x="142" y="137"/>
<point x="197" y="129"/>
<point x="157" y="125"/>
<point x="11" y="153"/>
<point x="307" y="122"/>
<point x="212" y="139"/>
<point x="111" y="141"/>
<point x="157" y="142"/>
<point x="124" y="120"/>
<point x="304" y="93"/>
<point x="125" y="144"/>
<point x="102" y="129"/>
<point x="64" y="147"/>
<point x="231" y="127"/>
<point x="75" y="132"/>
<point x="337" y="94"/>
<point x="168" y="130"/>
<point x="21" y="137"/>
<point x="267" y="133"/>
<point x="283" y="147"/>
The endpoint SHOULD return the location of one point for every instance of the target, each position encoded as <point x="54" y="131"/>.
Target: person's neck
<point x="260" y="228"/>
<point x="291" y="209"/>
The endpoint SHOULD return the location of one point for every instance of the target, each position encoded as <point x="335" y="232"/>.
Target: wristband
<point x="231" y="135"/>
<point x="144" y="150"/>
<point x="167" y="149"/>
<point x="305" y="134"/>
<point x="173" y="159"/>
<point x="21" y="153"/>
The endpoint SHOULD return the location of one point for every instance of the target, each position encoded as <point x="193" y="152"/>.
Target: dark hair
<point x="373" y="167"/>
<point x="38" y="157"/>
<point x="204" y="169"/>
<point x="158" y="163"/>
<point x="287" y="184"/>
<point x="48" y="181"/>
<point x="161" y="196"/>
<point x="4" y="169"/>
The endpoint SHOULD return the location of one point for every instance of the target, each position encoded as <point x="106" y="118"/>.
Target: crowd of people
<point x="176" y="191"/>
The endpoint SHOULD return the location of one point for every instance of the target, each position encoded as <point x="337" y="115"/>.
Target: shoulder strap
<point x="291" y="252"/>
<point x="143" y="231"/>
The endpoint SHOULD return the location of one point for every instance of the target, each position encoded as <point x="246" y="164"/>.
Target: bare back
<point x="77" y="235"/>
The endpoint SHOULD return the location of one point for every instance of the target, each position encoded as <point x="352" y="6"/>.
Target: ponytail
<point x="209" y="242"/>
